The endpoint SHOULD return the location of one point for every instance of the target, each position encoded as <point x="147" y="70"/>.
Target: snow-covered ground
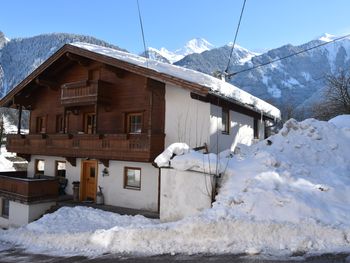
<point x="286" y="195"/>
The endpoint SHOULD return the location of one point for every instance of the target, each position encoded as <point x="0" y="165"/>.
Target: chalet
<point x="100" y="116"/>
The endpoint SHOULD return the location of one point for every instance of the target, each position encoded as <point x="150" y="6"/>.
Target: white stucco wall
<point x="113" y="185"/>
<point x="241" y="130"/>
<point x="183" y="193"/>
<point x="115" y="194"/>
<point x="186" y="120"/>
<point x="21" y="214"/>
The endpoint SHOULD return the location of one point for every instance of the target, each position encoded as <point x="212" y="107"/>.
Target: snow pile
<point x="5" y="164"/>
<point x="300" y="175"/>
<point x="180" y="157"/>
<point x="214" y="85"/>
<point x="341" y="121"/>
<point x="174" y="149"/>
<point x="286" y="195"/>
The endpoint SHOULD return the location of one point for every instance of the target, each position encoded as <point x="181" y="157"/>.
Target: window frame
<point x="41" y="124"/>
<point x="256" y="128"/>
<point x="3" y="214"/>
<point x="56" y="168"/>
<point x="126" y="186"/>
<point x="225" y="123"/>
<point x="128" y="122"/>
<point x="60" y="123"/>
<point x="36" y="171"/>
<point x="94" y="123"/>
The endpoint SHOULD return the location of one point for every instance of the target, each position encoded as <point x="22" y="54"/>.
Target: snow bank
<point x="163" y="160"/>
<point x="180" y="157"/>
<point x="341" y="121"/>
<point x="215" y="85"/>
<point x="5" y="164"/>
<point x="303" y="175"/>
<point x="286" y="195"/>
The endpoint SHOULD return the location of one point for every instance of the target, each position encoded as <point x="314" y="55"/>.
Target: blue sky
<point x="170" y="23"/>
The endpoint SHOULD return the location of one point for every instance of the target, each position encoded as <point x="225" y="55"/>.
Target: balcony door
<point x="88" y="180"/>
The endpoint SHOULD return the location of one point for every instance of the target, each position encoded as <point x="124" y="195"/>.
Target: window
<point x="90" y="123"/>
<point x="5" y="207"/>
<point x="225" y="121"/>
<point x="39" y="167"/>
<point x="60" y="169"/>
<point x="256" y="129"/>
<point x="41" y="125"/>
<point x="135" y="123"/>
<point x="132" y="178"/>
<point x="59" y="124"/>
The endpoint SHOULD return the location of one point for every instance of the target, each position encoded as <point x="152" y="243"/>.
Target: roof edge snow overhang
<point x="67" y="49"/>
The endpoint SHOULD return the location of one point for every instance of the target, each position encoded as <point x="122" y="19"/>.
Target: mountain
<point x="295" y="82"/>
<point x="20" y="56"/>
<point x="196" y="45"/>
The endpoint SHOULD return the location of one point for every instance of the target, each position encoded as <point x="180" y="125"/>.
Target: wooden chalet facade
<point x="107" y="119"/>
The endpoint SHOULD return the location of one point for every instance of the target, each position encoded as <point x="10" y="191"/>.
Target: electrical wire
<point x="285" y="57"/>
<point x="142" y="31"/>
<point x="236" y="34"/>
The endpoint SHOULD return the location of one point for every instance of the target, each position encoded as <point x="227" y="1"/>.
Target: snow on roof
<point x="215" y="85"/>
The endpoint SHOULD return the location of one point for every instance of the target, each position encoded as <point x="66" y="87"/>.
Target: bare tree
<point x="2" y="128"/>
<point x="336" y="99"/>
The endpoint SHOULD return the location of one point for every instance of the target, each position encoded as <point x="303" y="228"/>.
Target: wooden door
<point x="89" y="180"/>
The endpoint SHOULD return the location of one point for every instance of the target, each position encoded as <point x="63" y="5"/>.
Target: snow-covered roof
<point x="215" y="86"/>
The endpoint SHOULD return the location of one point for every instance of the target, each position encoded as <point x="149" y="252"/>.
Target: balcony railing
<point x="135" y="147"/>
<point x="83" y="92"/>
<point x="16" y="185"/>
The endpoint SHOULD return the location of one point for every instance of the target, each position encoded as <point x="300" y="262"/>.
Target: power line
<point x="143" y="35"/>
<point x="236" y="34"/>
<point x="288" y="56"/>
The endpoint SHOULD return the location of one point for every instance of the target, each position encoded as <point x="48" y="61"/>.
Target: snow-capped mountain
<point x="296" y="81"/>
<point x="20" y="56"/>
<point x="196" y="45"/>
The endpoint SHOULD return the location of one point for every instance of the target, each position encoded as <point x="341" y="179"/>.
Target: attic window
<point x="225" y="121"/>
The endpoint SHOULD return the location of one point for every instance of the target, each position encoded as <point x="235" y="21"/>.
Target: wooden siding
<point x="13" y="186"/>
<point x="115" y="94"/>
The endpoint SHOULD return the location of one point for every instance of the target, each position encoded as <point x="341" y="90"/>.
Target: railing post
<point x="19" y="119"/>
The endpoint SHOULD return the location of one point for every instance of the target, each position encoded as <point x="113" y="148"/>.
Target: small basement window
<point x="60" y="169"/>
<point x="5" y="208"/>
<point x="225" y="121"/>
<point x="39" y="167"/>
<point x="134" y="123"/>
<point x="132" y="178"/>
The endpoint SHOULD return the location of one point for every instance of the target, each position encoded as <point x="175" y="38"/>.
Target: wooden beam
<point x="105" y="162"/>
<point x="120" y="73"/>
<point x="47" y="83"/>
<point x="27" y="157"/>
<point x="72" y="161"/>
<point x="82" y="61"/>
<point x="19" y="119"/>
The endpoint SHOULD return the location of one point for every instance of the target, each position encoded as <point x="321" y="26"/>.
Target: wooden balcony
<point x="84" y="93"/>
<point x="136" y="147"/>
<point x="16" y="186"/>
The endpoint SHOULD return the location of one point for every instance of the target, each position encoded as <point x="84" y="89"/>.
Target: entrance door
<point x="89" y="180"/>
